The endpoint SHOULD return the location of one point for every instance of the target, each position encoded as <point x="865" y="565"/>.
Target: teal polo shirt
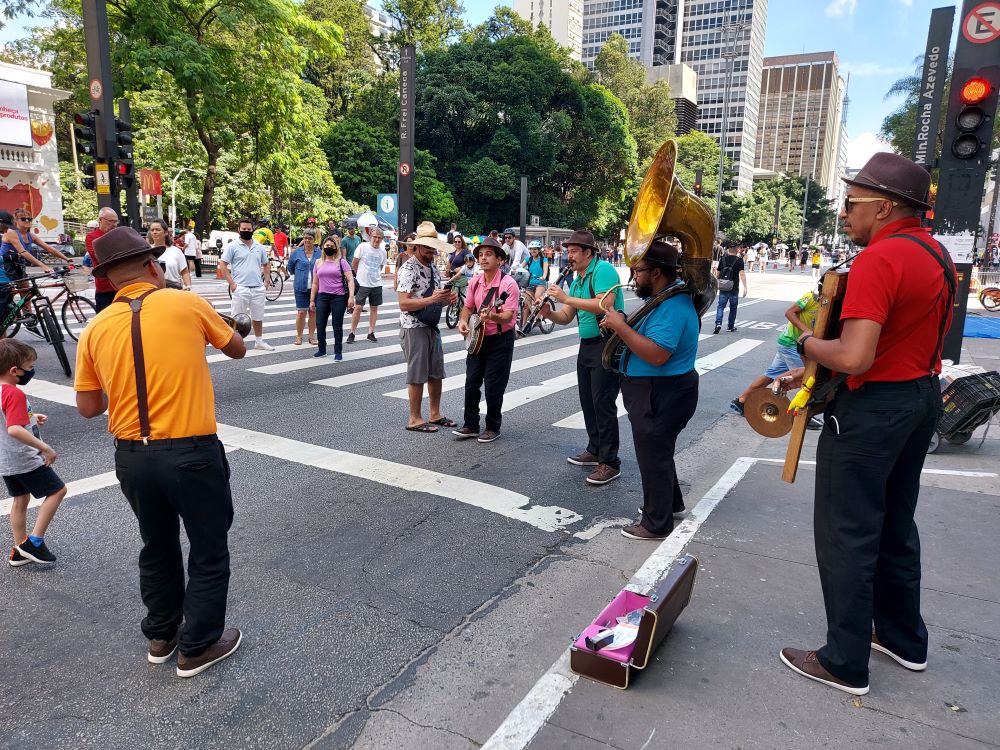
<point x="604" y="277"/>
<point x="349" y="244"/>
<point x="673" y="326"/>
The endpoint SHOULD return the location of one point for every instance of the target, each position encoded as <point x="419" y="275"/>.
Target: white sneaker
<point x="261" y="344"/>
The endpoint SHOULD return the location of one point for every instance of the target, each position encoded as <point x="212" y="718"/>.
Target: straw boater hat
<point x="897" y="177"/>
<point x="121" y="243"/>
<point x="428" y="237"/>
<point x="498" y="249"/>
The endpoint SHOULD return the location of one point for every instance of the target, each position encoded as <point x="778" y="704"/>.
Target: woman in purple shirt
<point x="332" y="295"/>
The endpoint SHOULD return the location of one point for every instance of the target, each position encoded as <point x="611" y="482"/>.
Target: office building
<point x="563" y="19"/>
<point x="683" y="82"/>
<point x="649" y="27"/>
<point x="801" y="129"/>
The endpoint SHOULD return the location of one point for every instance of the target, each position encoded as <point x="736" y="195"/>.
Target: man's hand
<point x="557" y="294"/>
<point x="463" y="327"/>
<point x="745" y="291"/>
<point x="42" y="419"/>
<point x="440" y="295"/>
<point x="48" y="455"/>
<point x="453" y="298"/>
<point x="232" y="286"/>
<point x="614" y="321"/>
<point x="790" y="381"/>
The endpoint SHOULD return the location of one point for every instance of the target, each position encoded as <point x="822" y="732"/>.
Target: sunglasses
<point x="848" y="201"/>
<point x="24" y="218"/>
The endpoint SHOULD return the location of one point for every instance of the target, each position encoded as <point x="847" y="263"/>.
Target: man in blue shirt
<point x="659" y="386"/>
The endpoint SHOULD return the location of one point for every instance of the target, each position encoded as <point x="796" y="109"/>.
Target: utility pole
<point x="101" y="88"/>
<point x="731" y="35"/>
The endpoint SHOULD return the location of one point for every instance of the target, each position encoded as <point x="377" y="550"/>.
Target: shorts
<point x="370" y="294"/>
<point x="535" y="284"/>
<point x="302" y="300"/>
<point x="40" y="482"/>
<point x="249" y="301"/>
<point x="424" y="354"/>
<point x="785" y="358"/>
<point x="522" y="277"/>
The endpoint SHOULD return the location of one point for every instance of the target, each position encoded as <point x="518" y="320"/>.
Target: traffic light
<point x="85" y="133"/>
<point x="697" y="182"/>
<point x="973" y="115"/>
<point x="126" y="166"/>
<point x="90" y="181"/>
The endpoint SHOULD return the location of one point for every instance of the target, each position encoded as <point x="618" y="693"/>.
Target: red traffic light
<point x="124" y="169"/>
<point x="975" y="90"/>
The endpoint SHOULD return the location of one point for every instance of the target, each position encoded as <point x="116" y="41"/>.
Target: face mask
<point x="246" y="235"/>
<point x="25" y="377"/>
<point x="329" y="250"/>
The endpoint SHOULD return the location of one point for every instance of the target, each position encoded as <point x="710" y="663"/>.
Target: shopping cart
<point x="968" y="403"/>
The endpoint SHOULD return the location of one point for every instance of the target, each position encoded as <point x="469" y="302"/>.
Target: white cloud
<point x="838" y="8"/>
<point x="874" y="69"/>
<point x="906" y="3"/>
<point x="861" y="148"/>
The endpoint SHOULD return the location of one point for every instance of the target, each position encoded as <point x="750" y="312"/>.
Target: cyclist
<point x="20" y="234"/>
<point x="15" y="258"/>
<point x="538" y="270"/>
<point x="263" y="235"/>
<point x="458" y="263"/>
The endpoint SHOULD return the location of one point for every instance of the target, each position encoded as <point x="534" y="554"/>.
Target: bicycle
<point x="527" y="301"/>
<point x="274" y="291"/>
<point x="76" y="310"/>
<point x="40" y="321"/>
<point x="454" y="310"/>
<point x="989" y="298"/>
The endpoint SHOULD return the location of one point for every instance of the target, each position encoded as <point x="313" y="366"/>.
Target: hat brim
<point x="497" y="251"/>
<point x="432" y="242"/>
<point x="101" y="270"/>
<point x="890" y="193"/>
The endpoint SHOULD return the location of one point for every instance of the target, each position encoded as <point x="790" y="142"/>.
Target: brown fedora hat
<point x="897" y="177"/>
<point x="493" y="244"/>
<point x="581" y="237"/>
<point x="121" y="243"/>
<point x="664" y="253"/>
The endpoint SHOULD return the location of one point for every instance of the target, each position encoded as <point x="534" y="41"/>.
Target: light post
<point x="173" y="195"/>
<point x="731" y="35"/>
<point x="805" y="197"/>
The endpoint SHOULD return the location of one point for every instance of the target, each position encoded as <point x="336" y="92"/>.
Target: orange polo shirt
<point x="176" y="326"/>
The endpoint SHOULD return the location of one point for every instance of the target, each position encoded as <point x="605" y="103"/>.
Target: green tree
<point x="428" y="24"/>
<point x="343" y="78"/>
<point x="695" y="151"/>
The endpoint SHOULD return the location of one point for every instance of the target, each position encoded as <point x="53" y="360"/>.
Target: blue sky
<point x="876" y="40"/>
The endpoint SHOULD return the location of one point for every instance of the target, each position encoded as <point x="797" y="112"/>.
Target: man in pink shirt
<point x="492" y="363"/>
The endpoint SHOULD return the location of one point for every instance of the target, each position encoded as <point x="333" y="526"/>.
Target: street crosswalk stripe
<point x="289" y="307"/>
<point x="742" y="304"/>
<point x="703" y="364"/>
<point x="398" y="369"/>
<point x="413" y="478"/>
<point x="78" y="487"/>
<point x="349" y="354"/>
<point x="455" y="382"/>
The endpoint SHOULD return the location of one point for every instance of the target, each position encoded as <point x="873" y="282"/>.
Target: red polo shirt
<point x="897" y="284"/>
<point x="101" y="284"/>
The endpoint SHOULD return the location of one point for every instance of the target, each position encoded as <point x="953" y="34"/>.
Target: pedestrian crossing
<point x="378" y="364"/>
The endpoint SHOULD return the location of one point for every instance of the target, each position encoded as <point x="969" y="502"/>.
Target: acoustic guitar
<point x="477" y="325"/>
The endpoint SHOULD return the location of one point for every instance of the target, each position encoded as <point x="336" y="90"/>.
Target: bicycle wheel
<point x="544" y="324"/>
<point x="76" y="311"/>
<point x="53" y="333"/>
<point x="451" y="314"/>
<point x="990" y="298"/>
<point x="277" y="284"/>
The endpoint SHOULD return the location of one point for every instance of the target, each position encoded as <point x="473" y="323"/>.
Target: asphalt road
<point x="357" y="547"/>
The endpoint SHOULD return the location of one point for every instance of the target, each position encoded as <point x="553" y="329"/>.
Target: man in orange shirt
<point x="143" y="359"/>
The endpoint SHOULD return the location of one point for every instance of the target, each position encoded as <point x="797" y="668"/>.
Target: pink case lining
<point x="625" y="602"/>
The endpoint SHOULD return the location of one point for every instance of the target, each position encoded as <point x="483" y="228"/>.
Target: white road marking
<point x="455" y="382"/>
<point x="350" y="354"/>
<point x="384" y="372"/>
<point x="413" y="478"/>
<point x="742" y="304"/>
<point x="702" y="365"/>
<point x="78" y="487"/>
<point x="524" y="722"/>
<point x="940" y="472"/>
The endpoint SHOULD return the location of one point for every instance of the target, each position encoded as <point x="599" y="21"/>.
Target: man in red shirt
<point x="280" y="242"/>
<point x="104" y="294"/>
<point x="898" y="307"/>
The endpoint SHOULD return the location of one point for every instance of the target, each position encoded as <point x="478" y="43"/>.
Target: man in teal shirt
<point x="659" y="385"/>
<point x="598" y="387"/>
<point x="350" y="243"/>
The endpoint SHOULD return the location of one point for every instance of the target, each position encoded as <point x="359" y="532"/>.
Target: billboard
<point x="15" y="124"/>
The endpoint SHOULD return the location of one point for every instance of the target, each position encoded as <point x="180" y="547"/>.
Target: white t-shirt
<point x="518" y="254"/>
<point x="751" y="255"/>
<point x="175" y="263"/>
<point x="371" y="261"/>
<point x="191" y="245"/>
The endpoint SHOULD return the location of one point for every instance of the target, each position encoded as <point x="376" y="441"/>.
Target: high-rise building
<point x="649" y="27"/>
<point x="714" y="36"/>
<point x="563" y="18"/>
<point x="800" y="133"/>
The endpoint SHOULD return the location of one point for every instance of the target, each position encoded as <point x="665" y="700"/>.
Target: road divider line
<point x="740" y="306"/>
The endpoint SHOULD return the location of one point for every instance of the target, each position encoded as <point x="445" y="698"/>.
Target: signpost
<point x="407" y="102"/>
<point x="932" y="85"/>
<point x="95" y="30"/>
<point x="388" y="208"/>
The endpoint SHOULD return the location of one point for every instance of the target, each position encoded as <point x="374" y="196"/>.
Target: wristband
<point x="800" y="345"/>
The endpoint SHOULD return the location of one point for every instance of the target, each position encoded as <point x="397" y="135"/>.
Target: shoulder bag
<point x="430" y="316"/>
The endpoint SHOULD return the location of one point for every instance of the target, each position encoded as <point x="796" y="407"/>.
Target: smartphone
<point x="447" y="287"/>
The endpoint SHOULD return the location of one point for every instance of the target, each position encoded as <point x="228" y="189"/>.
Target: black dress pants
<point x="598" y="394"/>
<point x="167" y="482"/>
<point x="868" y="465"/>
<point x="492" y="368"/>
<point x="658" y="409"/>
<point x="330" y="306"/>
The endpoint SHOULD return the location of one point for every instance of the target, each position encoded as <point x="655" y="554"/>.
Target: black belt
<point x="166" y="443"/>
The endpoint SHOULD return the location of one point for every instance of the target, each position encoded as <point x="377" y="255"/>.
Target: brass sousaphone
<point x="665" y="208"/>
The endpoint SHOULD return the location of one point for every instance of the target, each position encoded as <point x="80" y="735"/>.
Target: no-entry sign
<point x="982" y="24"/>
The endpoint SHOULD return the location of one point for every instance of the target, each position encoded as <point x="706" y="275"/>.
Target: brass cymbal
<point x="767" y="413"/>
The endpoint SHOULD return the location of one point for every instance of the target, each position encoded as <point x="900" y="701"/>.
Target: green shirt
<point x="604" y="276"/>
<point x="349" y="244"/>
<point x="808" y="310"/>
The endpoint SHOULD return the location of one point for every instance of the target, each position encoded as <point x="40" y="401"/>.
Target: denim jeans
<point x="330" y="306"/>
<point x="733" y="299"/>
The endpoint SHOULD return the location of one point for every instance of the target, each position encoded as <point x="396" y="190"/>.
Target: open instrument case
<point x="660" y="610"/>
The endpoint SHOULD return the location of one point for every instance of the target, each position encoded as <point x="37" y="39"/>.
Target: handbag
<point x="430" y="316"/>
<point x="726" y="283"/>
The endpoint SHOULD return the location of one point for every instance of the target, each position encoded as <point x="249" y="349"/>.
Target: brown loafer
<point x="584" y="459"/>
<point x="638" y="531"/>
<point x="603" y="474"/>
<point x="160" y="651"/>
<point x="806" y="664"/>
<point x="913" y="666"/>
<point x="189" y="666"/>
